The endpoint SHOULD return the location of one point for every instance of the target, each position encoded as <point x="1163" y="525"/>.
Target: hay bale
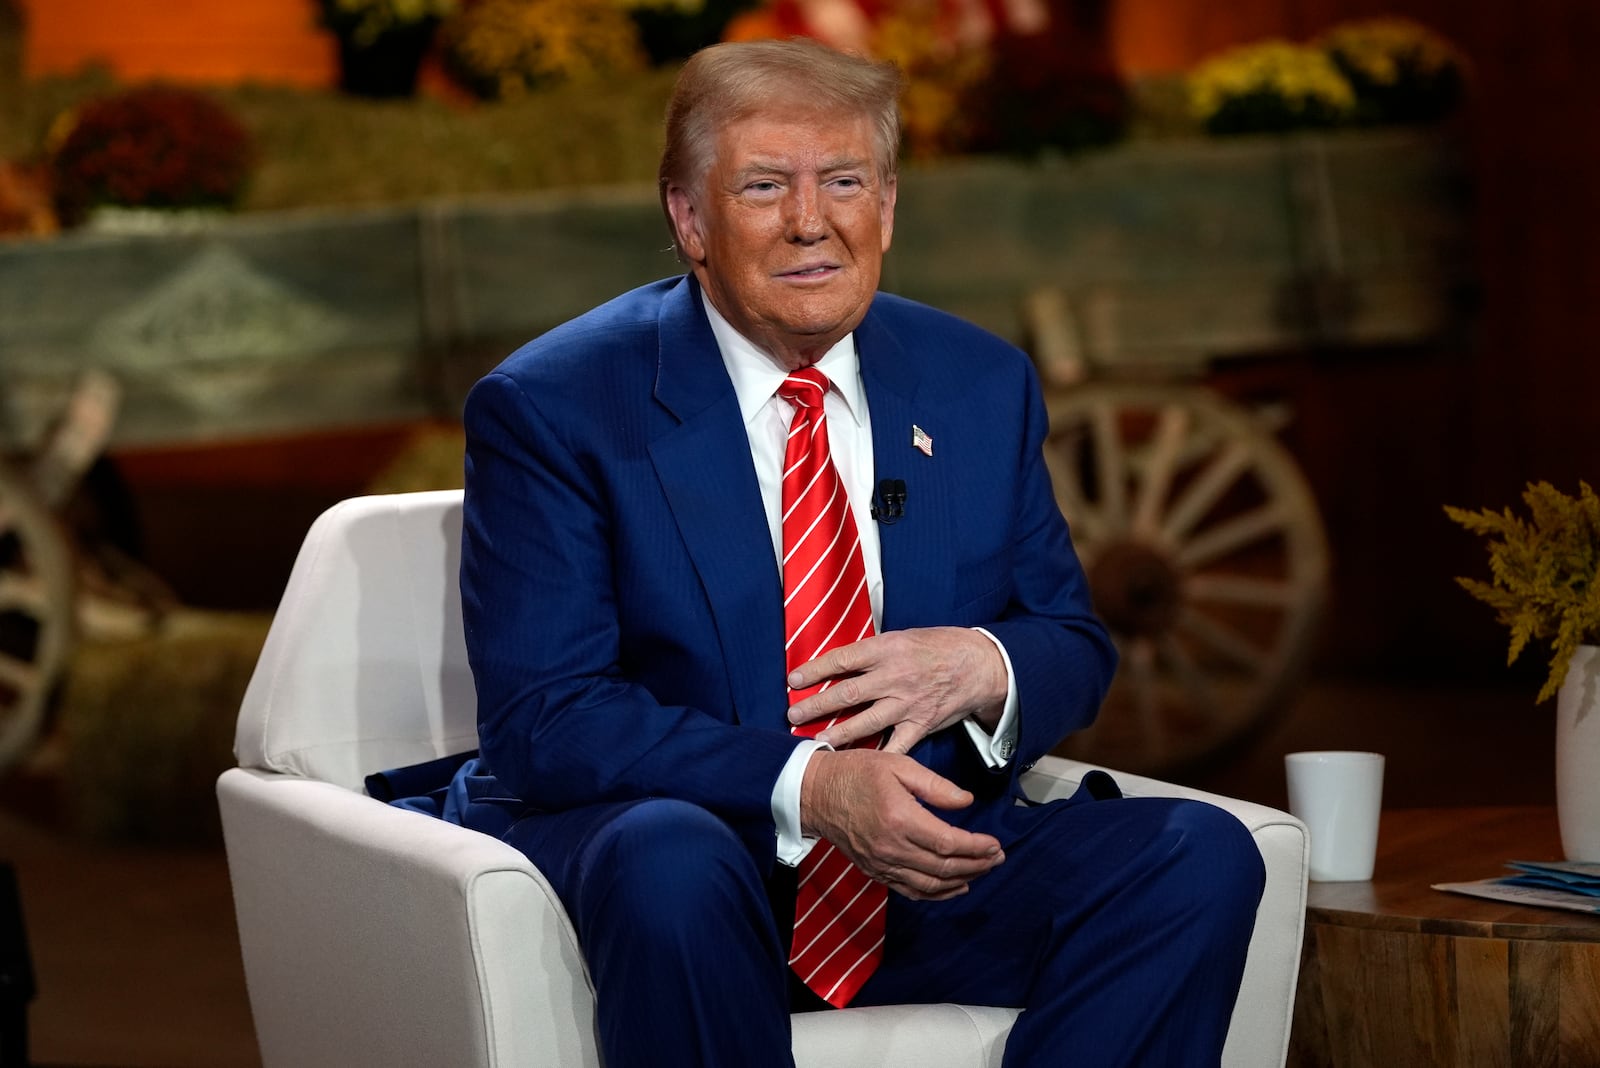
<point x="433" y="459"/>
<point x="146" y="726"/>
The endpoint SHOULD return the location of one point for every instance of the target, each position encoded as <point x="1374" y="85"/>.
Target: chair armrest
<point x="1054" y="777"/>
<point x="376" y="935"/>
<point x="1259" y="1034"/>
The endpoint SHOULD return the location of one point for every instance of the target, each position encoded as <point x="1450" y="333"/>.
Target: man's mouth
<point x="817" y="271"/>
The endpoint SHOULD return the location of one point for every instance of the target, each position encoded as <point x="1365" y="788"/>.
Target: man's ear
<point x="891" y="190"/>
<point x="686" y="224"/>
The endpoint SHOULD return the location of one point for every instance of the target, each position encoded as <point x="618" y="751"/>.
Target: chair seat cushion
<point x="903" y="1036"/>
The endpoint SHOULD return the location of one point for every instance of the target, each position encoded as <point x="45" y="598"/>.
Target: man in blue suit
<point x="624" y="609"/>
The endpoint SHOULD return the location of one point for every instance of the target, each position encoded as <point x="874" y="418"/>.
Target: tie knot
<point x="804" y="388"/>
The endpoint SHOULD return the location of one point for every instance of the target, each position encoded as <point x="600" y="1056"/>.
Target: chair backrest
<point x="365" y="666"/>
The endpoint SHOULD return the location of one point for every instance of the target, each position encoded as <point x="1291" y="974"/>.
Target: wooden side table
<point x="1394" y="974"/>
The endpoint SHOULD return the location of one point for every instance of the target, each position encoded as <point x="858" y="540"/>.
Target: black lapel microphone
<point x="889" y="503"/>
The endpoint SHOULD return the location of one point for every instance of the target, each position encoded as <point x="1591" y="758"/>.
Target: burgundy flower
<point x="155" y="146"/>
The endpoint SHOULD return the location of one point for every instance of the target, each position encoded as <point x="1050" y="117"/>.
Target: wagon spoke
<point x="1240" y="590"/>
<point x="1111" y="466"/>
<point x="1222" y="639"/>
<point x="35" y="585"/>
<point x="19" y="594"/>
<point x="17" y="673"/>
<point x="1189" y="676"/>
<point x="1223" y="471"/>
<point x="1162" y="461"/>
<point x="1087" y="522"/>
<point x="1231" y="534"/>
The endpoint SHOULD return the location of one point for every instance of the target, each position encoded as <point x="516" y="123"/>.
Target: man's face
<point x="788" y="230"/>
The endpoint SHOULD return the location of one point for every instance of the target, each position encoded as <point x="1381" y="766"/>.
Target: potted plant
<point x="382" y="42"/>
<point x="504" y="49"/>
<point x="1543" y="586"/>
<point x="161" y="147"/>
<point x="1270" y="87"/>
<point x="1400" y="70"/>
<point x="1366" y="72"/>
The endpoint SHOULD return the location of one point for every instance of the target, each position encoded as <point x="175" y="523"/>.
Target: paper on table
<point x="1571" y="885"/>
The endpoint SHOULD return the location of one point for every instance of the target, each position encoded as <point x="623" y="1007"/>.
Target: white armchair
<point x="373" y="935"/>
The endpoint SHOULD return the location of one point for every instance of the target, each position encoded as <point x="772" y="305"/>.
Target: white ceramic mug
<point x="1338" y="795"/>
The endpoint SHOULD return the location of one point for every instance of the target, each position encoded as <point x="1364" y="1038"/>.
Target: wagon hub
<point x="1136" y="589"/>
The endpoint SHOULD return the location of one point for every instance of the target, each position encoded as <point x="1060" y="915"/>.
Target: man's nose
<point x="806" y="223"/>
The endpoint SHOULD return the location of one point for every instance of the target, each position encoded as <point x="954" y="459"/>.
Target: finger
<point x="904" y="735"/>
<point x="844" y="660"/>
<point x="930" y="845"/>
<point x="867" y="723"/>
<point x="922" y="889"/>
<point x="932" y="788"/>
<point x="932" y="876"/>
<point x="951" y="849"/>
<point x="932" y="872"/>
<point x="925" y="874"/>
<point x="929" y="833"/>
<point x="843" y="696"/>
<point x="967" y="854"/>
<point x="916" y="895"/>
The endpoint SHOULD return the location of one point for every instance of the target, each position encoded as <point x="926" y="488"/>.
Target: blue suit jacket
<point x="623" y="609"/>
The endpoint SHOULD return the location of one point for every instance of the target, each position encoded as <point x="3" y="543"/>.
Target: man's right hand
<point x="870" y="805"/>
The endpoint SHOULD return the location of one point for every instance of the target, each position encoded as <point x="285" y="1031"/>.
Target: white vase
<point x="1578" y="756"/>
<point x="114" y="219"/>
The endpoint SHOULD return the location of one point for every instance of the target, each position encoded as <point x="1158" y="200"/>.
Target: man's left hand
<point x="909" y="682"/>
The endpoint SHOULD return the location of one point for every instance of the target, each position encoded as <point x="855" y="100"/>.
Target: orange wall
<point x="277" y="40"/>
<point x="184" y="40"/>
<point x="1150" y="36"/>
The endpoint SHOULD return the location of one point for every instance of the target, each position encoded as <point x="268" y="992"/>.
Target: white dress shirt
<point x="756" y="377"/>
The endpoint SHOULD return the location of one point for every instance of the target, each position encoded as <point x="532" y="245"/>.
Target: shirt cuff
<point x="792" y="844"/>
<point x="997" y="748"/>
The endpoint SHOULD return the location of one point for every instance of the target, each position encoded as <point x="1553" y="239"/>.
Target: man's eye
<point x="761" y="187"/>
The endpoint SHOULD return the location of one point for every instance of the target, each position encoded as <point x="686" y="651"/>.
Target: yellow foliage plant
<point x="1401" y="70"/>
<point x="1269" y="87"/>
<point x="940" y="70"/>
<point x="503" y="49"/>
<point x="364" y="21"/>
<point x="1543" y="572"/>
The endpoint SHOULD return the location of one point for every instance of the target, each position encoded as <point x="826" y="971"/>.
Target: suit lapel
<point x="919" y="547"/>
<point x="703" y="464"/>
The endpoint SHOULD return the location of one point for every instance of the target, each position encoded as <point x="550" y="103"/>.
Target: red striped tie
<point x="838" y="927"/>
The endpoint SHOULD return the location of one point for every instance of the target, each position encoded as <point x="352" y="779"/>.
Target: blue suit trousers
<point x="1119" y="927"/>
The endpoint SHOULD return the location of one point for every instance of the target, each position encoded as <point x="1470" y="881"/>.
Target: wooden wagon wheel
<point x="36" y="612"/>
<point x="1206" y="557"/>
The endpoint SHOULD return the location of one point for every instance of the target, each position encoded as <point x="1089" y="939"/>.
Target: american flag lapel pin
<point x="921" y="440"/>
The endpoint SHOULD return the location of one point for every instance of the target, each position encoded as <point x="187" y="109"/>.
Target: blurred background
<point x="1309" y="270"/>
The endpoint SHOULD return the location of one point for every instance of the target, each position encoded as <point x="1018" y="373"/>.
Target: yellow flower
<point x="680" y="7"/>
<point x="1273" y="84"/>
<point x="1543" y="572"/>
<point x="503" y="48"/>
<point x="366" y="20"/>
<point x="1378" y="48"/>
<point x="938" y="74"/>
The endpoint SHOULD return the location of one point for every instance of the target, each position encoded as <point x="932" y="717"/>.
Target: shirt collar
<point x="756" y="375"/>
